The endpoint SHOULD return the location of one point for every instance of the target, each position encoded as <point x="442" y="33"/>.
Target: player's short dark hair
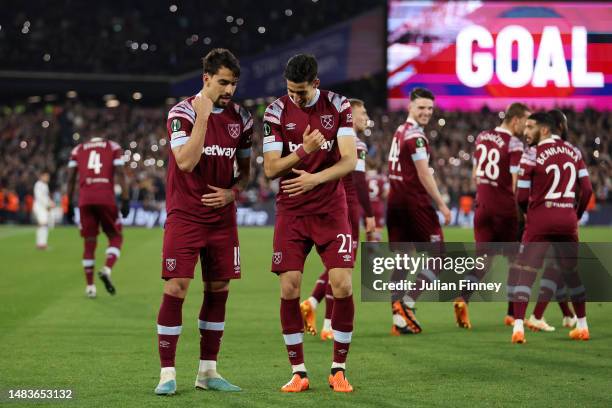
<point x="560" y="120"/>
<point x="515" y="110"/>
<point x="218" y="58"/>
<point x="543" y="119"/>
<point x="421" y="93"/>
<point x="356" y="102"/>
<point x="301" y="68"/>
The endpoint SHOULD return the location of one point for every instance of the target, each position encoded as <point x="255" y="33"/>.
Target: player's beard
<point x="222" y="103"/>
<point x="536" y="138"/>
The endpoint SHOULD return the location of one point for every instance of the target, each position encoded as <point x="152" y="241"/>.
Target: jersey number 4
<point x="569" y="188"/>
<point x="394" y="153"/>
<point x="94" y="162"/>
<point x="491" y="170"/>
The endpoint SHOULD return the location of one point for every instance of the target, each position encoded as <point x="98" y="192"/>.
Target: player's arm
<point x="277" y="166"/>
<point x="585" y="189"/>
<point x="307" y="181"/>
<point x="188" y="155"/>
<point x="515" y="151"/>
<point x="428" y="182"/>
<point x="72" y="176"/>
<point x="523" y="186"/>
<point x="363" y="196"/>
<point x="121" y="179"/>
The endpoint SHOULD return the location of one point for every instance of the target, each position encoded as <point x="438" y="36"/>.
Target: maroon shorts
<point x="216" y="245"/>
<point x="536" y="246"/>
<point x="92" y="216"/>
<point x="294" y="236"/>
<point x="414" y="225"/>
<point x="491" y="226"/>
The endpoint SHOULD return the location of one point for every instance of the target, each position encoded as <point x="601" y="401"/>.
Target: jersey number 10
<point x="94" y="162"/>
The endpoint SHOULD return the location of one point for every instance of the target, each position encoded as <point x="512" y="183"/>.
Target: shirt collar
<point x="546" y="141"/>
<point x="501" y="129"/>
<point x="412" y="121"/>
<point x="314" y="99"/>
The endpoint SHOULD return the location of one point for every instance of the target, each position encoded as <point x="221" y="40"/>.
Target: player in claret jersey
<point x="552" y="283"/>
<point x="547" y="189"/>
<point x="98" y="164"/>
<point x="208" y="134"/>
<point x="378" y="188"/>
<point x="410" y="215"/>
<point x="309" y="142"/>
<point x="357" y="199"/>
<point x="496" y="164"/>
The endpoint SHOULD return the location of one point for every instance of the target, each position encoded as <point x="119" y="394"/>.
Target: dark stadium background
<point x="73" y="68"/>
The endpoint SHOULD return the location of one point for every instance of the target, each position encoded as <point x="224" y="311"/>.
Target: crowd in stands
<point x="37" y="137"/>
<point x="159" y="38"/>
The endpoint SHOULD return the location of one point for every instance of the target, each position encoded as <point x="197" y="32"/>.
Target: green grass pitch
<point x="52" y="337"/>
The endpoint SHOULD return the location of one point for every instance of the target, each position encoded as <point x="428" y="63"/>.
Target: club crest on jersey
<point x="277" y="257"/>
<point x="175" y="125"/>
<point x="233" y="129"/>
<point x="420" y="142"/>
<point x="170" y="264"/>
<point x="327" y="121"/>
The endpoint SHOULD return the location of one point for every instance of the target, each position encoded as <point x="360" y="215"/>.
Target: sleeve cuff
<point x="514" y="169"/>
<point x="273" y="147"/>
<point x="523" y="184"/>
<point x="345" y="131"/>
<point x="583" y="173"/>
<point x="419" y="156"/>
<point x="178" y="141"/>
<point x="72" y="164"/>
<point x="118" y="162"/>
<point x="360" y="165"/>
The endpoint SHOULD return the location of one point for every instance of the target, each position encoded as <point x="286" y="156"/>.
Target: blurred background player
<point x="547" y="189"/>
<point x="410" y="215"/>
<point x="496" y="164"/>
<point x="309" y="142"/>
<point x="378" y="189"/>
<point x="357" y="200"/>
<point x="99" y="165"/>
<point x="43" y="204"/>
<point x="208" y="134"/>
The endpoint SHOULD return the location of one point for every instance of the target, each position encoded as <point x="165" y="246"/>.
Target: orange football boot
<point x="297" y="384"/>
<point x="519" y="338"/>
<point x="461" y="314"/>
<point x="327" y="335"/>
<point x="579" y="334"/>
<point x="509" y="320"/>
<point x="339" y="383"/>
<point x="310" y="319"/>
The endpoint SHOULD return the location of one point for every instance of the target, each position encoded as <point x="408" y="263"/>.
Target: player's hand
<point x="125" y="208"/>
<point x="370" y="224"/>
<point x="301" y="184"/>
<point x="70" y="213"/>
<point x="312" y="141"/>
<point x="220" y="198"/>
<point x="446" y="213"/>
<point x="202" y="105"/>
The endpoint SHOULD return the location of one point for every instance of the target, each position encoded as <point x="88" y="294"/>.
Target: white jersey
<point x="42" y="199"/>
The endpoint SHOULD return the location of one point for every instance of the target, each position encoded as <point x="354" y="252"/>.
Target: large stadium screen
<point x="472" y="54"/>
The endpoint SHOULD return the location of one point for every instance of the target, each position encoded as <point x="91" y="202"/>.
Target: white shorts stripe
<point x="342" y="337"/>
<point x="218" y="326"/>
<point x="273" y="147"/>
<point x="293" y="339"/>
<point x="170" y="331"/>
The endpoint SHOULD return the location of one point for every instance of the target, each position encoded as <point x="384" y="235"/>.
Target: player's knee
<point x="290" y="289"/>
<point x="341" y="286"/>
<point x="176" y="288"/>
<point x="217" y="286"/>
